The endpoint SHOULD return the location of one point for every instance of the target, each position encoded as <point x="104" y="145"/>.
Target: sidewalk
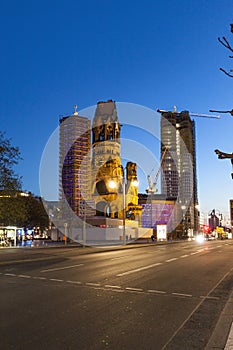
<point x="222" y="337"/>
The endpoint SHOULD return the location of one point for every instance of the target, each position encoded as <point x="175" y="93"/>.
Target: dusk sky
<point x="155" y="54"/>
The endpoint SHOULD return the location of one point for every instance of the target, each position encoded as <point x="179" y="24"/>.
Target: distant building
<point x="214" y="220"/>
<point x="75" y="163"/>
<point x="110" y="182"/>
<point x="231" y="213"/>
<point x="179" y="178"/>
<point x="158" y="210"/>
<point x="97" y="184"/>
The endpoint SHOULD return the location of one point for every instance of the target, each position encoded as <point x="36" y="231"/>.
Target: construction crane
<point x="152" y="184"/>
<point x="191" y="114"/>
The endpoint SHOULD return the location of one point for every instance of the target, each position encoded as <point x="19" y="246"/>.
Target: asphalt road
<point x="140" y="297"/>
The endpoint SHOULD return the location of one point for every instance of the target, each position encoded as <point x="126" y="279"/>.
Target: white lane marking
<point x="193" y="253"/>
<point x="169" y="260"/>
<point x="182" y="294"/>
<point x="62" y="268"/>
<point x="24" y="276"/>
<point x="134" y="289"/>
<point x="56" y="280"/>
<point x="75" y="282"/>
<point x="92" y="284"/>
<point x="137" y="270"/>
<point x="110" y="286"/>
<point x="156" y="291"/>
<point x="209" y="297"/>
<point x="10" y="274"/>
<point x="120" y="257"/>
<point x="184" y="256"/>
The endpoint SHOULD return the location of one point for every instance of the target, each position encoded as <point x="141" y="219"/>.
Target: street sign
<point x="161" y="232"/>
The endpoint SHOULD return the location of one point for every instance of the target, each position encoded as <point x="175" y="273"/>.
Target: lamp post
<point x="112" y="185"/>
<point x="83" y="214"/>
<point x="65" y="226"/>
<point x="124" y="204"/>
<point x="183" y="207"/>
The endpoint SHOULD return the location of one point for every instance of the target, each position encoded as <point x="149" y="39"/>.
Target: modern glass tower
<point x="179" y="180"/>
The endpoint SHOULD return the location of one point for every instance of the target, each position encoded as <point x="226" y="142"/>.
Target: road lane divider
<point x="56" y="280"/>
<point x="74" y="282"/>
<point x="61" y="268"/>
<point x="209" y="297"/>
<point x="114" y="287"/>
<point x="93" y="284"/>
<point x="137" y="270"/>
<point x="182" y="294"/>
<point x="134" y="289"/>
<point x="160" y="263"/>
<point x="170" y="260"/>
<point x="156" y="291"/>
<point x="24" y="276"/>
<point x="111" y="286"/>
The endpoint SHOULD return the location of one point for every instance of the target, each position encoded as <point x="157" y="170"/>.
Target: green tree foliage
<point x="15" y="208"/>
<point x="9" y="157"/>
<point x="22" y="211"/>
<point x="36" y="214"/>
<point x="12" y="211"/>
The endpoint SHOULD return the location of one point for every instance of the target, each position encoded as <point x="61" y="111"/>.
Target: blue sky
<point x="157" y="54"/>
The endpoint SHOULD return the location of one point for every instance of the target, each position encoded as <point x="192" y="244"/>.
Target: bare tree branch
<point x="229" y="75"/>
<point x="223" y="155"/>
<point x="225" y="43"/>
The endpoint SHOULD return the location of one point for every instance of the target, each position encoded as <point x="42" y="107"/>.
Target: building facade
<point x="92" y="178"/>
<point x="179" y="179"/>
<point x="75" y="163"/>
<point x="157" y="209"/>
<point x="114" y="189"/>
<point x="231" y="215"/>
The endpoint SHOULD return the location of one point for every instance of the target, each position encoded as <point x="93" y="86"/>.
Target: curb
<point x="220" y="337"/>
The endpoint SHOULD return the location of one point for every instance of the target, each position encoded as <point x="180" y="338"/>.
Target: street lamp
<point x="112" y="184"/>
<point x="65" y="226"/>
<point x="124" y="203"/>
<point x="183" y="207"/>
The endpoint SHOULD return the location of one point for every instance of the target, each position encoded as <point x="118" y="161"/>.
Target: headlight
<point x="200" y="238"/>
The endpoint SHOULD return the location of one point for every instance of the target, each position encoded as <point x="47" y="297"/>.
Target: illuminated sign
<point x="161" y="232"/>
